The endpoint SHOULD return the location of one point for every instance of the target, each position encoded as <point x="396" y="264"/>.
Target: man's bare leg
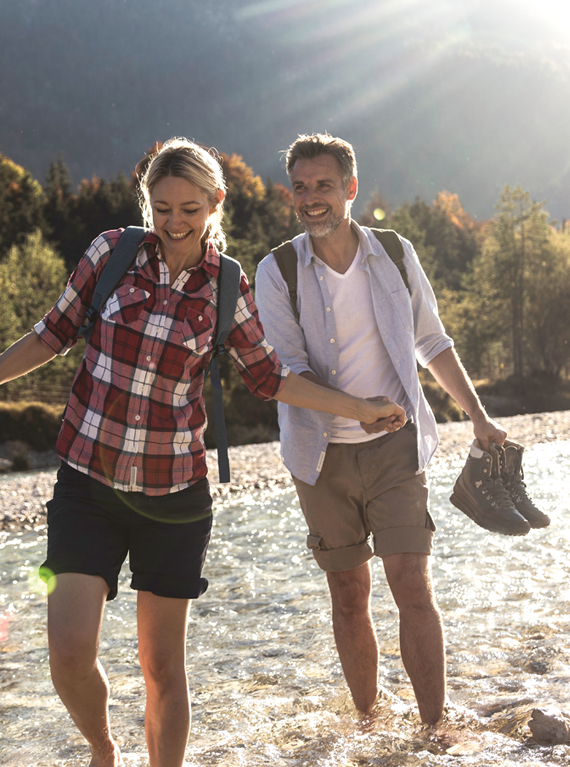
<point x="162" y="626"/>
<point x="75" y="612"/>
<point x="421" y="631"/>
<point x="354" y="633"/>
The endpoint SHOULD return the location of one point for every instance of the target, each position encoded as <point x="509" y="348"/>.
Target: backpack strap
<point x="228" y="293"/>
<point x="392" y="244"/>
<point x="123" y="255"/>
<point x="286" y="257"/>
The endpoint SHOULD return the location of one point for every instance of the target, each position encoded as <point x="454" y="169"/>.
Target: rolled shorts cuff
<point x="169" y="586"/>
<point x="55" y="566"/>
<point x="346" y="558"/>
<point x="404" y="540"/>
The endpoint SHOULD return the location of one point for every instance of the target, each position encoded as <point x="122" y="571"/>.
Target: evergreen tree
<point x="74" y="220"/>
<point x="32" y="278"/>
<point x="517" y="247"/>
<point x="21" y="205"/>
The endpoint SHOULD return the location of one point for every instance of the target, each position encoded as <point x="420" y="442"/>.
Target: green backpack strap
<point x="286" y="257"/>
<point x="392" y="244"/>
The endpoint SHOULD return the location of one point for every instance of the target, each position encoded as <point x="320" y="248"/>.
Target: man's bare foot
<point x="109" y="756"/>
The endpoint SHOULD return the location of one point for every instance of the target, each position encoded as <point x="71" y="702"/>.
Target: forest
<point x="503" y="286"/>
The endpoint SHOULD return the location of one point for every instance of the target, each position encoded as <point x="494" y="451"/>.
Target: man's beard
<point x="321" y="229"/>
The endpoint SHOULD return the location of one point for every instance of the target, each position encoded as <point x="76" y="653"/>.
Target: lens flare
<point x="49" y="578"/>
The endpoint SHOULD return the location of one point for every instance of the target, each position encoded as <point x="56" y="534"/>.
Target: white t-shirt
<point x="366" y="369"/>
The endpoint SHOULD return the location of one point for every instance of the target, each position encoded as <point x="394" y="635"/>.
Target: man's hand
<point x="486" y="431"/>
<point x="391" y="422"/>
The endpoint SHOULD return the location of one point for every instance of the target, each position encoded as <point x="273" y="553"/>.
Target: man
<point x="359" y="329"/>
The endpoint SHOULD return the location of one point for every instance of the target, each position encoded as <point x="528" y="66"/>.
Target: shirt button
<point x="200" y="318"/>
<point x="137" y="418"/>
<point x="328" y="308"/>
<point x="325" y="434"/>
<point x="332" y="340"/>
<point x="131" y="290"/>
<point x="148" y="359"/>
<point x="321" y="278"/>
<point x="165" y="302"/>
<point x="333" y="372"/>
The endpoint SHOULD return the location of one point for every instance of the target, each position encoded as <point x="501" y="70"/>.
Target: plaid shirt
<point x="136" y="415"/>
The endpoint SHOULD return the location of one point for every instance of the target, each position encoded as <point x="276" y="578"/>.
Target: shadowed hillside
<point x="464" y="96"/>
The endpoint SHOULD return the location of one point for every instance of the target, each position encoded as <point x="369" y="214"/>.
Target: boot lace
<point x="516" y="487"/>
<point x="497" y="493"/>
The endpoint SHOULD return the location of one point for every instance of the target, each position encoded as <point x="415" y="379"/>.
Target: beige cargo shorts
<point x="368" y="500"/>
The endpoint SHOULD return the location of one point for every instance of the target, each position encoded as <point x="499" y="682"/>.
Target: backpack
<point x="286" y="258"/>
<point x="115" y="269"/>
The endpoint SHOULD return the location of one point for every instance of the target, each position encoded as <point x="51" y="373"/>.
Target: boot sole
<point x="493" y="524"/>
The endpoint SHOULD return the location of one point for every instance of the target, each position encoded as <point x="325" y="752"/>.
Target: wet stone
<point x="550" y="726"/>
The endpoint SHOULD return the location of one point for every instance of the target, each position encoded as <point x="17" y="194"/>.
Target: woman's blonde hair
<point x="184" y="159"/>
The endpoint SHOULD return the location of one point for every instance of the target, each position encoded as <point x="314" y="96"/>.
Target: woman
<point x="133" y="458"/>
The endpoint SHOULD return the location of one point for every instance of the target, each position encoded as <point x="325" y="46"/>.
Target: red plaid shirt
<point x="136" y="416"/>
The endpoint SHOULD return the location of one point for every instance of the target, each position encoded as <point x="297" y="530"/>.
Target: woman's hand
<point x="389" y="416"/>
<point x="303" y="392"/>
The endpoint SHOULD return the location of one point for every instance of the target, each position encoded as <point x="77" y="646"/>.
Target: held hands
<point x="389" y="416"/>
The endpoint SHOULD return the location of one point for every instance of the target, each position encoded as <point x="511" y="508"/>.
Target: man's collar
<point x="368" y="245"/>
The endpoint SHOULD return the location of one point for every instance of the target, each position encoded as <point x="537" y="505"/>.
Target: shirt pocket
<point x="197" y="332"/>
<point x="403" y="304"/>
<point x="125" y="305"/>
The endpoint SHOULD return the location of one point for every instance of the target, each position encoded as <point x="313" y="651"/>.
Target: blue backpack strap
<point x="120" y="260"/>
<point x="228" y="293"/>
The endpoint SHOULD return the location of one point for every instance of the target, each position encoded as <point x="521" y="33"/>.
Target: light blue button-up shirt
<point x="410" y="328"/>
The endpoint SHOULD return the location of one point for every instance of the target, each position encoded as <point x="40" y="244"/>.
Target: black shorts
<point x="92" y="527"/>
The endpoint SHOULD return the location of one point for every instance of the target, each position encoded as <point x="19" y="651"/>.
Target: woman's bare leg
<point x="162" y="626"/>
<point x="75" y="613"/>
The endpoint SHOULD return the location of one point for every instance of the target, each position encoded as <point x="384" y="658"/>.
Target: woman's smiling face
<point x="180" y="213"/>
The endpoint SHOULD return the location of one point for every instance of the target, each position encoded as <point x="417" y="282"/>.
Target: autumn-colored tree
<point x="258" y="217"/>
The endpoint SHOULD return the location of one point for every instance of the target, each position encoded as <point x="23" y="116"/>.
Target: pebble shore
<point x="23" y="496"/>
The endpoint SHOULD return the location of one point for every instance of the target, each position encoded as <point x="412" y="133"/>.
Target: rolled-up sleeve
<point x="59" y="328"/>
<point x="429" y="333"/>
<point x="255" y="360"/>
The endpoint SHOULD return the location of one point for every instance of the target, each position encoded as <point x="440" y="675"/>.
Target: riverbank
<point x="23" y="497"/>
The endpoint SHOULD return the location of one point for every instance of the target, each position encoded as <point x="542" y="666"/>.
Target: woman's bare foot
<point x="109" y="756"/>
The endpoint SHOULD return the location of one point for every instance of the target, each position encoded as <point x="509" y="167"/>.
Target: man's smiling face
<point x="322" y="201"/>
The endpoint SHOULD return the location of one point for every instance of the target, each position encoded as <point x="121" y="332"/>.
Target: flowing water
<point x="266" y="684"/>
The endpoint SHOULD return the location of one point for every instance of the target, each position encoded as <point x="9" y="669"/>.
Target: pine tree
<point x="21" y="205"/>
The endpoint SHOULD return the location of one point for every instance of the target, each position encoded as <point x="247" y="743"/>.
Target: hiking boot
<point x="480" y="493"/>
<point x="512" y="476"/>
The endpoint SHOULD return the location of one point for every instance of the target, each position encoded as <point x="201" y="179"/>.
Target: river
<point x="266" y="684"/>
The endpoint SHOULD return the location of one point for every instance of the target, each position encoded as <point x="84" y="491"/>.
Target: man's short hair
<point x="307" y="147"/>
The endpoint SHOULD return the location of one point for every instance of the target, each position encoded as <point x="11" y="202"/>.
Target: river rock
<point x="549" y="726"/>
